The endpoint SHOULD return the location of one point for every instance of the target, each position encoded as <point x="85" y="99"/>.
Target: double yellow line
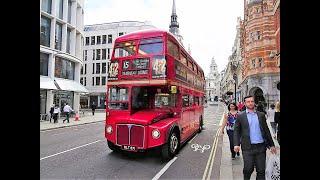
<point x="208" y="170"/>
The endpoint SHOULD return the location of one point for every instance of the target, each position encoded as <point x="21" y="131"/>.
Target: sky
<point x="208" y="26"/>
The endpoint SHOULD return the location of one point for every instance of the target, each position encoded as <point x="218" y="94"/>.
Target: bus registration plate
<point x="129" y="148"/>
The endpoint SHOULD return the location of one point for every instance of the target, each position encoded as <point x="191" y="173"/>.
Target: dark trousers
<point x="67" y="117"/>
<point x="93" y="112"/>
<point x="274" y="127"/>
<point x="230" y="134"/>
<point x="55" y="118"/>
<point x="254" y="157"/>
<point x="51" y="117"/>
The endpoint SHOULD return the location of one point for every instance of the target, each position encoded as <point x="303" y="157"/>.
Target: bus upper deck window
<point x="124" y="49"/>
<point x="151" y="46"/>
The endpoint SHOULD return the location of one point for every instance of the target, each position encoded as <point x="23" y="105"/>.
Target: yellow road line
<point x="213" y="156"/>
<point x="213" y="151"/>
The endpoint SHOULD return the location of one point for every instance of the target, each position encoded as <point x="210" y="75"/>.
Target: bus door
<point x="192" y="115"/>
<point x="185" y="117"/>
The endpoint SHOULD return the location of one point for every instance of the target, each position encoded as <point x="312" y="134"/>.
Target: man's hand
<point x="236" y="148"/>
<point x="273" y="150"/>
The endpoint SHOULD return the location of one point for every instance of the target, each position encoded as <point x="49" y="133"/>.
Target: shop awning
<point x="47" y="83"/>
<point x="69" y="85"/>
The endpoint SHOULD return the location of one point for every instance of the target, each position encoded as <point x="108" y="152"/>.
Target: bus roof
<point x="153" y="32"/>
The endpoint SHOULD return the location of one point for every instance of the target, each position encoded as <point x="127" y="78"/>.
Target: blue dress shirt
<point x="255" y="131"/>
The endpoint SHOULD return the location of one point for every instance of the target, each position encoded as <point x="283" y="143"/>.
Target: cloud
<point x="209" y="26"/>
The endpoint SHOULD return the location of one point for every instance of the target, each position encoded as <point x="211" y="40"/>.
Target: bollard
<point x="77" y="117"/>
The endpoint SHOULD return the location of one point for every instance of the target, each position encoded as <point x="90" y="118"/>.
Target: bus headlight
<point x="109" y="129"/>
<point x="155" y="134"/>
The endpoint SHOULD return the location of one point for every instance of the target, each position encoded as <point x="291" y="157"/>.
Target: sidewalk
<point x="98" y="116"/>
<point x="232" y="169"/>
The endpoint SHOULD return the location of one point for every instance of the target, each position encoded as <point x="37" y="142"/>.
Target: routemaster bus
<point x="155" y="94"/>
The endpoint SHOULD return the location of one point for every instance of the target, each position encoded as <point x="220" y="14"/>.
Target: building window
<point x="104" y="52"/>
<point x="108" y="53"/>
<point x="97" y="68"/>
<point x="45" y="31"/>
<point x="121" y="33"/>
<point x="260" y="62"/>
<point x="81" y="71"/>
<point x="104" y="39"/>
<point x="103" y="80"/>
<point x="64" y="68"/>
<point x="81" y="80"/>
<point x="93" y="40"/>
<point x="98" y="81"/>
<point x="93" y="54"/>
<point x="85" y="68"/>
<point x="93" y="68"/>
<point x="92" y="81"/>
<point x="85" y="81"/>
<point x="85" y="55"/>
<point x="253" y="63"/>
<point x="69" y="11"/>
<point x="87" y="41"/>
<point x="98" y="39"/>
<point x="44" y="58"/>
<point x="104" y="68"/>
<point x="59" y="9"/>
<point x="98" y="54"/>
<point x="58" y="36"/>
<point x="68" y="40"/>
<point x="258" y="35"/>
<point x="110" y="38"/>
<point x="46" y="6"/>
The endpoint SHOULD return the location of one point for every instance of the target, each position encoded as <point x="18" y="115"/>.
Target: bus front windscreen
<point x="125" y="49"/>
<point x="118" y="98"/>
<point x="151" y="46"/>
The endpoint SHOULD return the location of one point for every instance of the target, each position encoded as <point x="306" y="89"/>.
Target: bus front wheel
<point x="112" y="146"/>
<point x="170" y="149"/>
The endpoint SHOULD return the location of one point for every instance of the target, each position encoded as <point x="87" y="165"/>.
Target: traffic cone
<point x="77" y="118"/>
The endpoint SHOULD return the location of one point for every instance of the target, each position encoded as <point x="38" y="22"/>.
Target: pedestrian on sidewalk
<point x="252" y="132"/>
<point x="270" y="118"/>
<point x="228" y="122"/>
<point x="277" y="120"/>
<point x="93" y="107"/>
<point x="51" y="112"/>
<point x="67" y="110"/>
<point x="56" y="112"/>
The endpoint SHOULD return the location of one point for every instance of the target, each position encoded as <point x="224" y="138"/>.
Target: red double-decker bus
<point x="155" y="93"/>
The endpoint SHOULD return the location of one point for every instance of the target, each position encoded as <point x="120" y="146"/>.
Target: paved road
<point x="81" y="152"/>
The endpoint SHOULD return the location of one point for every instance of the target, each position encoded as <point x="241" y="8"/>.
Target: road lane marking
<point x="210" y="157"/>
<point x="197" y="147"/>
<point x="214" y="154"/>
<point x="70" y="149"/>
<point x="192" y="139"/>
<point x="164" y="169"/>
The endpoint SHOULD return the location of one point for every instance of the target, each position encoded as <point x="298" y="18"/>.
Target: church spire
<point x="174" y="25"/>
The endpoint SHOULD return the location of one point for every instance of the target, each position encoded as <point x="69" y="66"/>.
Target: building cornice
<point x="60" y="54"/>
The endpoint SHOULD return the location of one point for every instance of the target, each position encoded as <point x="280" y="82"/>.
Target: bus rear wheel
<point x="170" y="149"/>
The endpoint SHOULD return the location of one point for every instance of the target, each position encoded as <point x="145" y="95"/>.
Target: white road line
<point x="192" y="138"/>
<point x="163" y="170"/>
<point x="70" y="150"/>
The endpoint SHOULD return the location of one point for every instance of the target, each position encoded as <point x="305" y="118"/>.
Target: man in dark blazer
<point x="252" y="132"/>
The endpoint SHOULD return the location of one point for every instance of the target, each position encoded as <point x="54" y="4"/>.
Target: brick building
<point x="259" y="37"/>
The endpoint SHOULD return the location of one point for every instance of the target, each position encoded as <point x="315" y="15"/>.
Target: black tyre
<point x="170" y="149"/>
<point x="201" y="124"/>
<point x="112" y="146"/>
